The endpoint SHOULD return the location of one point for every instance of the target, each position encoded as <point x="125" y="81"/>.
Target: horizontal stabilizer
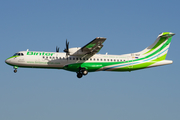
<point x="163" y="62"/>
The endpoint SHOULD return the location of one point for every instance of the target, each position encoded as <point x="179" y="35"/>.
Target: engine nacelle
<point x="76" y="51"/>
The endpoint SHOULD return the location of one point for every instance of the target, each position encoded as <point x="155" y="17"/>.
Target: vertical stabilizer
<point x="159" y="48"/>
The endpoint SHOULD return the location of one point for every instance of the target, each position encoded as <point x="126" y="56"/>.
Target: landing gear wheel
<point x="81" y="72"/>
<point x="79" y="75"/>
<point x="84" y="72"/>
<point x="15" y="70"/>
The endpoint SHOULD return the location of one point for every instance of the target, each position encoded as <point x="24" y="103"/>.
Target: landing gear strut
<point x="15" y="69"/>
<point x="81" y="72"/>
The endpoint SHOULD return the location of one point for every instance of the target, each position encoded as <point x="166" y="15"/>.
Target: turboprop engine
<point x="73" y="51"/>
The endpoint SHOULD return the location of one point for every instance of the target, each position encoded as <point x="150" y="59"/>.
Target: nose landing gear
<point x="15" y="69"/>
<point x="81" y="72"/>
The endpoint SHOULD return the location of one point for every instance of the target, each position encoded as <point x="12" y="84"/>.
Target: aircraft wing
<point x="94" y="46"/>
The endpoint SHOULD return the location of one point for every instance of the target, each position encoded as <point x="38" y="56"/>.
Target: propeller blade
<point x="57" y="49"/>
<point x="67" y="48"/>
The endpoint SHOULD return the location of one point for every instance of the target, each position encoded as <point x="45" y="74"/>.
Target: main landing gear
<point x="81" y="72"/>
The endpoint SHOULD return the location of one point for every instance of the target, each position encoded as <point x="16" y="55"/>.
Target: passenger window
<point x="46" y="57"/>
<point x="56" y="57"/>
<point x="70" y="58"/>
<point x="114" y="60"/>
<point x="76" y="58"/>
<point x="87" y="59"/>
<point x="84" y="59"/>
<point x="97" y="59"/>
<point x="94" y="59"/>
<point x="107" y="59"/>
<point x="73" y="58"/>
<point x="43" y="56"/>
<point x="104" y="59"/>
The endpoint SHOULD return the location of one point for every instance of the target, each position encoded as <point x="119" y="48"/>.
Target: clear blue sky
<point x="129" y="26"/>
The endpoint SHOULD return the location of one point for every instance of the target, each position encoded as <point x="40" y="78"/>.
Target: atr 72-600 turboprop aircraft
<point x="84" y="60"/>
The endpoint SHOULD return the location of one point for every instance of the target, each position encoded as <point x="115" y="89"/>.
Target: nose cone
<point x="8" y="60"/>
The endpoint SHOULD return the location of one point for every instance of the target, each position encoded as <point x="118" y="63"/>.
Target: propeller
<point x="57" y="49"/>
<point x="67" y="48"/>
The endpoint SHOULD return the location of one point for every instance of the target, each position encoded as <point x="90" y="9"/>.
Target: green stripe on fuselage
<point x="141" y="65"/>
<point x="13" y="57"/>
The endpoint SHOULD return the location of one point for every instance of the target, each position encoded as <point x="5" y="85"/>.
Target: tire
<point x="84" y="72"/>
<point x="15" y="71"/>
<point x="79" y="75"/>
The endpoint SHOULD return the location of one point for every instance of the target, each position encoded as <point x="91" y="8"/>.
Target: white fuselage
<point x="59" y="60"/>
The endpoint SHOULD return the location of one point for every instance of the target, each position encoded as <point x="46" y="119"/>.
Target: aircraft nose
<point x="7" y="61"/>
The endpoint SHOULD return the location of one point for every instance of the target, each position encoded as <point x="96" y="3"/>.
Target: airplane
<point x="84" y="59"/>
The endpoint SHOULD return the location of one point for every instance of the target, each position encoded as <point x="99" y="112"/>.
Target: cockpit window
<point x="18" y="54"/>
<point x="15" y="54"/>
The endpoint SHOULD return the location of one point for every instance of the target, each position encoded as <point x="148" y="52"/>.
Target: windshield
<point x="18" y="54"/>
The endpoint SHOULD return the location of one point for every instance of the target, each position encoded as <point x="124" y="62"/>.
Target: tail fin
<point x="159" y="48"/>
